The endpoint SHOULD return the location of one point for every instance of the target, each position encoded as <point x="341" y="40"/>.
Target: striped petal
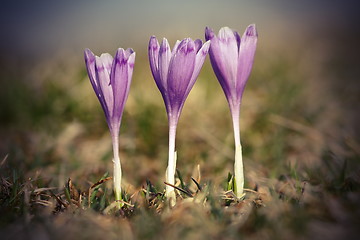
<point x="90" y="67"/>
<point x="199" y="61"/>
<point x="121" y="74"/>
<point x="153" y="52"/>
<point x="228" y="51"/>
<point x="218" y="63"/>
<point x="164" y="61"/>
<point x="246" y="57"/>
<point x="103" y="68"/>
<point x="176" y="45"/>
<point x="198" y="44"/>
<point x="180" y="71"/>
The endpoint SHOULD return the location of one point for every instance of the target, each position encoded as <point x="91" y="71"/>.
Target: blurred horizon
<point x="46" y="29"/>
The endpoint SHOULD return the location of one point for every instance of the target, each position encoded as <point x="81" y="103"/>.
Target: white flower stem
<point x="238" y="166"/>
<point x="170" y="172"/>
<point x="239" y="171"/>
<point x="117" y="168"/>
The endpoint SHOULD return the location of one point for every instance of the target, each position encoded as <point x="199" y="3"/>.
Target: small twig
<point x="126" y="203"/>
<point x="181" y="190"/>
<point x="115" y="204"/>
<point x="100" y="182"/>
<point x="39" y="190"/>
<point x="93" y="186"/>
<point x="229" y="192"/>
<point x="230" y="195"/>
<point x="136" y="192"/>
<point x="43" y="203"/>
<point x="227" y="198"/>
<point x="58" y="199"/>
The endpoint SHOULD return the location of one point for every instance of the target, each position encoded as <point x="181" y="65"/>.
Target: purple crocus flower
<point x="232" y="58"/>
<point x="175" y="73"/>
<point x="111" y="79"/>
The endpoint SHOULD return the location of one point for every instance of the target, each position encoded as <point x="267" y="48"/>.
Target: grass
<point x="301" y="165"/>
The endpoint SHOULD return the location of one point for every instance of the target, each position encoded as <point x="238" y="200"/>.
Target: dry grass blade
<point x="180" y="189"/>
<point x="4" y="160"/>
<point x="74" y="193"/>
<point x="115" y="204"/>
<point x="196" y="183"/>
<point x="250" y="190"/>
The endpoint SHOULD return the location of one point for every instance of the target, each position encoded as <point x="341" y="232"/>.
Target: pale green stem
<point x="117" y="168"/>
<point x="238" y="166"/>
<point x="170" y="172"/>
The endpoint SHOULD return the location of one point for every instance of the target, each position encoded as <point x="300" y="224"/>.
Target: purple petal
<point x="154" y="60"/>
<point x="238" y="39"/>
<point x="218" y="63"/>
<point x="131" y="64"/>
<point x="128" y="52"/>
<point x="209" y="34"/>
<point x="106" y="60"/>
<point x="199" y="61"/>
<point x="229" y="53"/>
<point x="164" y="61"/>
<point x="90" y="67"/>
<point x="198" y="44"/>
<point x="246" y="57"/>
<point x="176" y="45"/>
<point x="131" y="61"/>
<point x="121" y="74"/>
<point x="90" y="60"/>
<point x="103" y="68"/>
<point x="180" y="71"/>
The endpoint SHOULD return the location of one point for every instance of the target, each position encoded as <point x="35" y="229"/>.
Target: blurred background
<point x="300" y="110"/>
<point x="307" y="47"/>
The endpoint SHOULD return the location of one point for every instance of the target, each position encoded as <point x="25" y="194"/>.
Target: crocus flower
<point x="232" y="58"/>
<point x="175" y="73"/>
<point x="111" y="80"/>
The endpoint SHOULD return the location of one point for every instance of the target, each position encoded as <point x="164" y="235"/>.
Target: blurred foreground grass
<point x="301" y="159"/>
